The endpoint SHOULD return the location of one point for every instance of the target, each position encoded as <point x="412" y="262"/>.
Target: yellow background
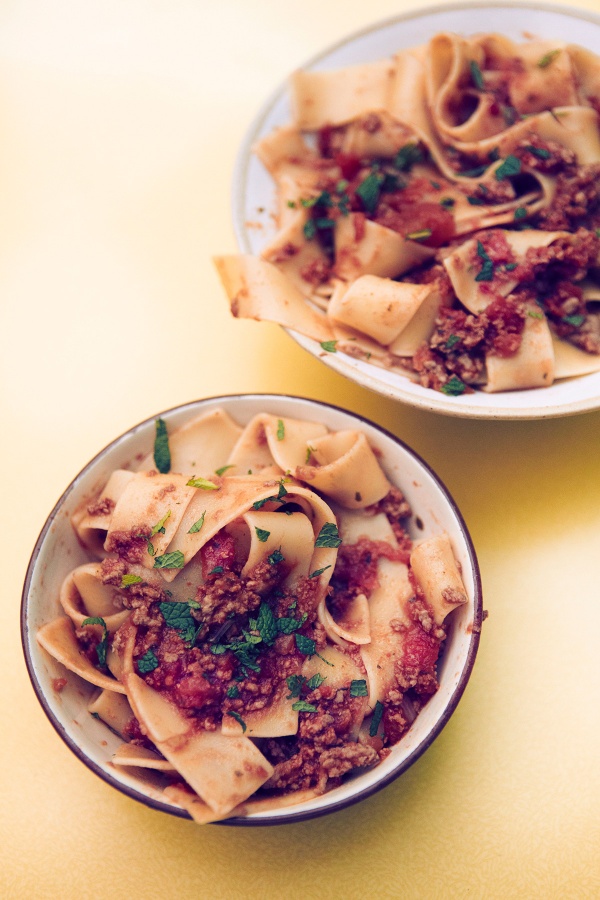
<point x="119" y="124"/>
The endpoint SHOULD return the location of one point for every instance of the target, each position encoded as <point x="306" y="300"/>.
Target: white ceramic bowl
<point x="254" y="193"/>
<point x="57" y="551"/>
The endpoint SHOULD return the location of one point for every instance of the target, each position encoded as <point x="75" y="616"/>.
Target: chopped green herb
<point x="547" y="58"/>
<point x="128" y="580"/>
<point x="318" y="572"/>
<point x="305" y="645"/>
<point x="237" y="718"/>
<point x="295" y="684"/>
<point x="261" y="534"/>
<point x="474" y="173"/>
<point x="475" y="201"/>
<point x="376" y="719"/>
<point x="197" y="524"/>
<point x="233" y="691"/>
<point x="310" y="229"/>
<point x="486" y="272"/>
<point x="280" y="429"/>
<point x="447" y="202"/>
<point x="147" y="663"/>
<point x="287" y="624"/>
<point x="509" y="114"/>
<point x="510" y="267"/>
<point x="309" y="452"/>
<point x="358" y="688"/>
<point x="174" y="560"/>
<point x="303" y="706"/>
<point x="407" y="156"/>
<point x="266" y="624"/>
<point x="216" y="571"/>
<point x="162" y="453"/>
<point x="102" y="646"/>
<point x="576" y="320"/>
<point x="159" y="528"/>
<point x="435" y="185"/>
<point x="328" y="536"/>
<point x="369" y="191"/>
<point x="203" y="484"/>
<point x="419" y="235"/>
<point x="178" y="615"/>
<point x="535" y="315"/>
<point x="329" y="346"/>
<point x="316" y="681"/>
<point x="275" y="557"/>
<point x="540" y="152"/>
<point x="520" y="213"/>
<point x="510" y="166"/>
<point x="476" y="75"/>
<point x="223" y="469"/>
<point x="454" y="387"/>
<point x="453" y="339"/>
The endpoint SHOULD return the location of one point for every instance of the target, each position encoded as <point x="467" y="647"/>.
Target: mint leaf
<point x="203" y="484"/>
<point x="316" y="681"/>
<point x="576" y="320"/>
<point x="233" y="692"/>
<point x="303" y="706"/>
<point x="328" y="536"/>
<point x="318" y="572"/>
<point x="162" y="453"/>
<point x="376" y="720"/>
<point x="510" y="166"/>
<point x="159" y="528"/>
<point x="174" y="560"/>
<point x="275" y="557"/>
<point x="369" y="190"/>
<point x="147" y="663"/>
<point x="261" y="534"/>
<point x="305" y="645"/>
<point x="198" y="524"/>
<point x="237" y="718"/>
<point x="358" y="688"/>
<point x="540" y="152"/>
<point x="476" y="75"/>
<point x="223" y="469"/>
<point x="329" y="346"/>
<point x="407" y="156"/>
<point x="287" y="624"/>
<point x="547" y="58"/>
<point x="295" y="684"/>
<point x="520" y="213"/>
<point x="178" y="615"/>
<point x="454" y="387"/>
<point x="128" y="580"/>
<point x="102" y="646"/>
<point x="266" y="624"/>
<point x="486" y="272"/>
<point x="280" y="429"/>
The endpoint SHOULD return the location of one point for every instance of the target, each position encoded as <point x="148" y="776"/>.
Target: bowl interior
<point x="254" y="193"/>
<point x="58" y="551"/>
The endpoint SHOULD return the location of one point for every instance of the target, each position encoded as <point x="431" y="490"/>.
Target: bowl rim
<point x="290" y="817"/>
<point x="369" y="377"/>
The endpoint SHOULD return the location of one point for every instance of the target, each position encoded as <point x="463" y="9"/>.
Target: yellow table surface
<point x="119" y="125"/>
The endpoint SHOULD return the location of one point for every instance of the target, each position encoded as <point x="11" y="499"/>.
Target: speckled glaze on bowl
<point x="254" y="198"/>
<point x="57" y="551"/>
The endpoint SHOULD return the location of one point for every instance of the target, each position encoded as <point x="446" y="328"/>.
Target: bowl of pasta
<point x="252" y="609"/>
<point x="419" y="208"/>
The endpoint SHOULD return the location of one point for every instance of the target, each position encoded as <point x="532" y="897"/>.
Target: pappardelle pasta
<point x="438" y="214"/>
<point x="254" y="616"/>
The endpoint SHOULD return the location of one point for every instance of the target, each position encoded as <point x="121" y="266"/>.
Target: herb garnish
<point x="174" y="560"/>
<point x="376" y="719"/>
<point x="575" y="320"/>
<point x="476" y="75"/>
<point x="369" y="190"/>
<point x="162" y="453"/>
<point x="197" y="524"/>
<point x="128" y="580"/>
<point x="178" y="615"/>
<point x="223" y="469"/>
<point x="328" y="536"/>
<point x="329" y="346"/>
<point x="238" y="718"/>
<point x="540" y="152"/>
<point x="275" y="557"/>
<point x="486" y="273"/>
<point x="447" y="202"/>
<point x="422" y="235"/>
<point x="147" y="663"/>
<point x="510" y="166"/>
<point x="453" y="339"/>
<point x="318" y="572"/>
<point x="280" y="429"/>
<point x="102" y="645"/>
<point x="407" y="156"/>
<point x="547" y="58"/>
<point x="303" y="706"/>
<point x="261" y="534"/>
<point x="358" y="688"/>
<point x="520" y="213"/>
<point x="202" y="483"/>
<point x="454" y="387"/>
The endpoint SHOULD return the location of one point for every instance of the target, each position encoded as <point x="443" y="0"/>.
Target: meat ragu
<point x="451" y="230"/>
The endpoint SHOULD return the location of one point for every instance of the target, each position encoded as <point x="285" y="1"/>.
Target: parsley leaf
<point x="328" y="536"/>
<point x="147" y="663"/>
<point x="162" y="453"/>
<point x="102" y="646"/>
<point x="261" y="534"/>
<point x="174" y="560"/>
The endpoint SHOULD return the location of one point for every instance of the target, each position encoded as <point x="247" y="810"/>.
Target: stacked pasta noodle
<point x="438" y="213"/>
<point x="256" y="619"/>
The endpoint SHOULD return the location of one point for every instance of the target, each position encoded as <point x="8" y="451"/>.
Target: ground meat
<point x="576" y="201"/>
<point x="339" y="760"/>
<point x="396" y="508"/>
<point x="129" y="545"/>
<point x="101" y="507"/>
